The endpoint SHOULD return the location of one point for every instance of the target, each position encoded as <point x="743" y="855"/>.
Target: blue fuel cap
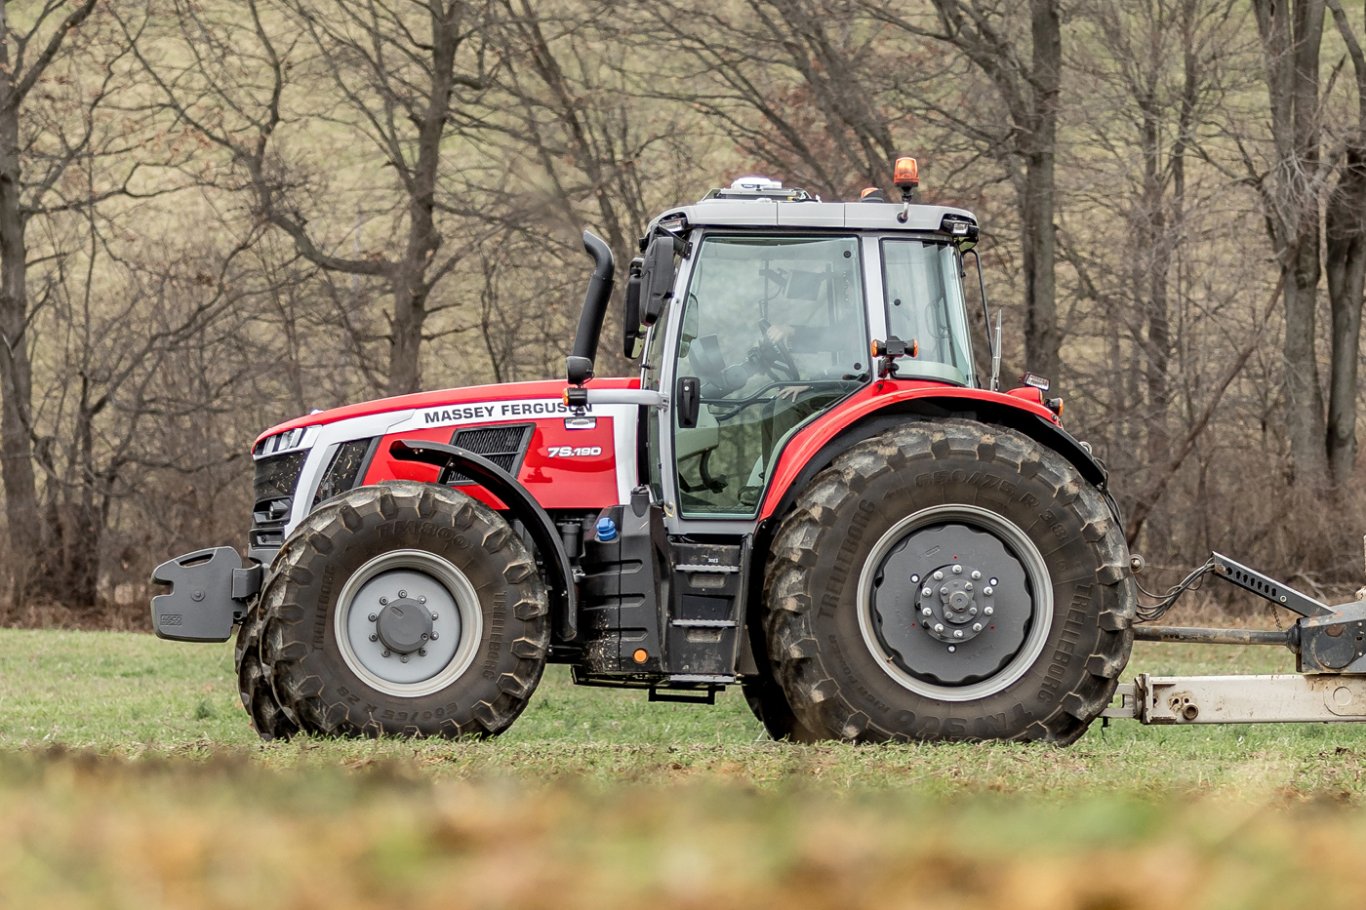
<point x="607" y="530"/>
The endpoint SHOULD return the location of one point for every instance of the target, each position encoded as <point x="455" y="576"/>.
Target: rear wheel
<point x="404" y="608"/>
<point x="949" y="580"/>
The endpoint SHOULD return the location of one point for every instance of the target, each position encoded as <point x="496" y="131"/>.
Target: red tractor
<point x="808" y="491"/>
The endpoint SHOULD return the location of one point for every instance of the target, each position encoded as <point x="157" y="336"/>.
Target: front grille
<point x="276" y="478"/>
<point x="503" y="445"/>
<point x="347" y="467"/>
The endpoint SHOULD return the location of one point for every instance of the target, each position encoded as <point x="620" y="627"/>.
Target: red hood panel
<point x="546" y="388"/>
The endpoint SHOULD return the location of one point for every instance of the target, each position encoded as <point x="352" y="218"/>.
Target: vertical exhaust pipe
<point x="579" y="364"/>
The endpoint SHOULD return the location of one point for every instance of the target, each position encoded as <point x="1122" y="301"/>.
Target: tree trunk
<point x="1345" y="226"/>
<point x="1290" y="40"/>
<point x="1039" y="243"/>
<point x="16" y="375"/>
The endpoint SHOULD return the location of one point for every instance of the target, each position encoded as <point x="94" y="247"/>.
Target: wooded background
<point x="219" y="214"/>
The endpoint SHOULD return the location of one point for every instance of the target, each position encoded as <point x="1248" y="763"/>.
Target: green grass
<point x="129" y="778"/>
<point x="132" y="696"/>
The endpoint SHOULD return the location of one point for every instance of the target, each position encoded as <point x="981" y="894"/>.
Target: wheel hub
<point x="956" y="602"/>
<point x="954" y="621"/>
<point x="404" y="625"/>
<point x="408" y="622"/>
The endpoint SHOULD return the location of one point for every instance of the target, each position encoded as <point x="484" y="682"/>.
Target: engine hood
<point x="463" y="397"/>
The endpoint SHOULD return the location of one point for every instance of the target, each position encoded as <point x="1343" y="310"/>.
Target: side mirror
<point x="688" y="402"/>
<point x="657" y="278"/>
<point x="631" y="341"/>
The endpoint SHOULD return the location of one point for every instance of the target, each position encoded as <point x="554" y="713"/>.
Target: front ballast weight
<point x="210" y="590"/>
<point x="1329" y="643"/>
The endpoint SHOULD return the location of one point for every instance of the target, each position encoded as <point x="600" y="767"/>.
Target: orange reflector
<point x="915" y="348"/>
<point x="640" y="655"/>
<point x="907" y="173"/>
<point x="565" y="398"/>
<point x="867" y="191"/>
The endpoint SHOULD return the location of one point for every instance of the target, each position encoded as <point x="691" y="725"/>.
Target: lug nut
<point x="926" y="611"/>
<point x="939" y="627"/>
<point x="434" y="635"/>
<point x="383" y="601"/>
<point x="938" y="576"/>
<point x="976" y="575"/>
<point x="402" y="594"/>
<point x="972" y="611"/>
<point x="988" y="611"/>
<point x="424" y="636"/>
<point x="977" y="627"/>
<point x="957" y="633"/>
<point x="374" y="637"/>
<point x="422" y="600"/>
<point x="967" y="586"/>
<point x="944" y="590"/>
<point x="374" y="616"/>
<point x="421" y="652"/>
<point x="988" y="590"/>
<point x="957" y="570"/>
<point x="386" y="653"/>
<point x="926" y="592"/>
<point x="404" y="658"/>
<point x="434" y="616"/>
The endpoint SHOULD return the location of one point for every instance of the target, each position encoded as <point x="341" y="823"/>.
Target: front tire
<point x="949" y="580"/>
<point x="404" y="608"/>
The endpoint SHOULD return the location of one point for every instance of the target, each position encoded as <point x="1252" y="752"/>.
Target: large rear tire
<point x="949" y="580"/>
<point x="404" y="608"/>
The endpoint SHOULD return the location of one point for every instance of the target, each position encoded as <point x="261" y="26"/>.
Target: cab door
<point x="772" y="332"/>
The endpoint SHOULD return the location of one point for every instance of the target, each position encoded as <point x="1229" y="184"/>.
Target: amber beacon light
<point x="906" y="176"/>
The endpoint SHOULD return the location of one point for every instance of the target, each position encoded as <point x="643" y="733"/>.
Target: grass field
<point x="129" y="778"/>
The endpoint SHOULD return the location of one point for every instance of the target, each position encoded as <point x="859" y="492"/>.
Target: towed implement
<point x="808" y="491"/>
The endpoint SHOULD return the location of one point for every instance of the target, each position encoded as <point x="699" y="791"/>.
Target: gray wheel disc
<point x="917" y="591"/>
<point x="408" y="623"/>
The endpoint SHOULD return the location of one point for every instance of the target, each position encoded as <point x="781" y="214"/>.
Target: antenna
<point x="996" y="357"/>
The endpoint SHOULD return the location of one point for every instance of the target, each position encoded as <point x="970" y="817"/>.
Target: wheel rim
<point x="408" y="623"/>
<point x="999" y="598"/>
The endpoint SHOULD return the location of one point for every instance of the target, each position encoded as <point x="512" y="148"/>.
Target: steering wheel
<point x="774" y="356"/>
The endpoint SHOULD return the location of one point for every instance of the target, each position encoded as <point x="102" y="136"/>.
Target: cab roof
<point x="761" y="212"/>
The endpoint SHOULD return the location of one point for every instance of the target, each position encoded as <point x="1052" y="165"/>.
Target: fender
<point x="519" y="502"/>
<point x="884" y="404"/>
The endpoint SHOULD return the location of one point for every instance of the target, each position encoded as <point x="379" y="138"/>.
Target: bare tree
<point x="61" y="69"/>
<point x="391" y="78"/>
<point x="1292" y="34"/>
<point x="991" y="36"/>
<point x="1345" y="230"/>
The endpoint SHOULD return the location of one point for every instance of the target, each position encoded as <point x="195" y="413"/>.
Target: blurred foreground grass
<point x="129" y="778"/>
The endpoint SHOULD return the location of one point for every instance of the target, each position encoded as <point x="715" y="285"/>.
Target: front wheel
<point x="404" y="608"/>
<point x="949" y="580"/>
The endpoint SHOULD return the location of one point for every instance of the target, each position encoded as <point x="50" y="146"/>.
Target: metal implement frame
<point x="1330" y="647"/>
<point x="1280" y="698"/>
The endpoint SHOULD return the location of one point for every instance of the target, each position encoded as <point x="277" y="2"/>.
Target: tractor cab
<point x="760" y="308"/>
